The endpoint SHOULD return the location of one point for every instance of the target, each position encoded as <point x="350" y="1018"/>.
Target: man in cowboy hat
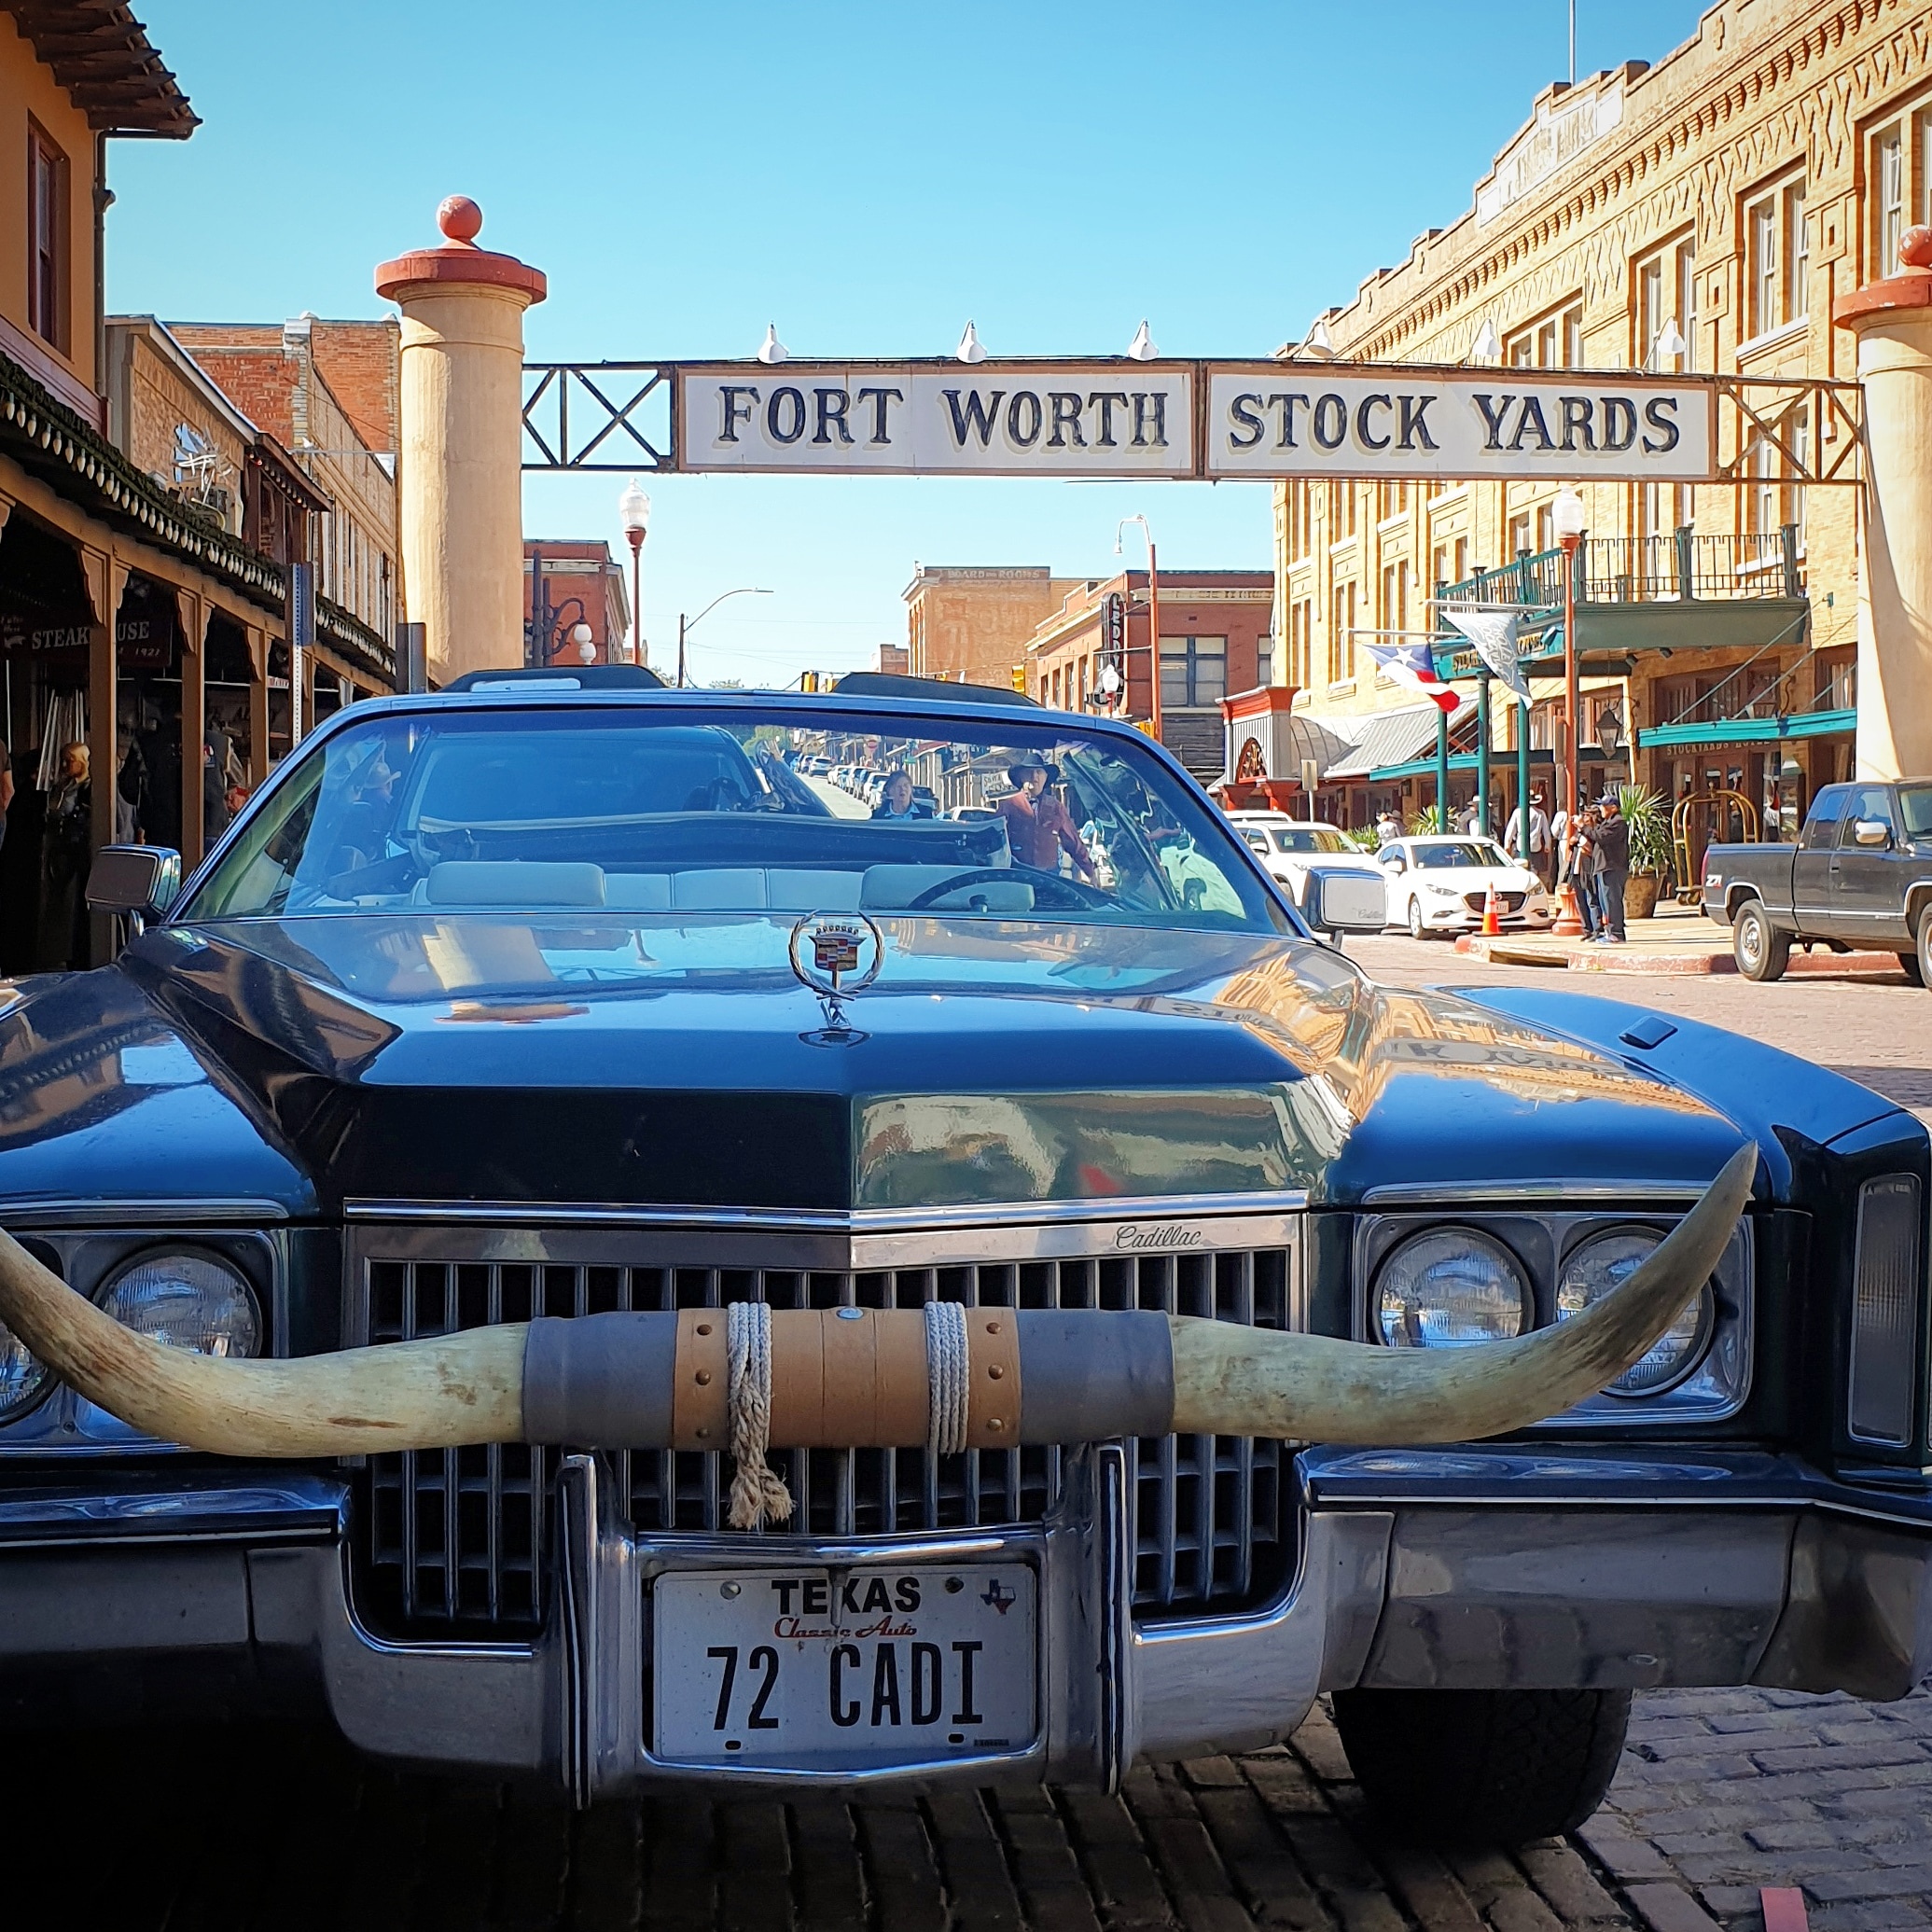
<point x="1037" y="824"/>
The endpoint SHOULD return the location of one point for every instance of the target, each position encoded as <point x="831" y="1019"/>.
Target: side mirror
<point x="1872" y="831"/>
<point x="1345" y="902"/>
<point x="1396" y="865"/>
<point x="139" y="882"/>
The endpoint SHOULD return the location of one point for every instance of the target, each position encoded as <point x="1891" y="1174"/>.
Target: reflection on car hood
<point x="406" y="1058"/>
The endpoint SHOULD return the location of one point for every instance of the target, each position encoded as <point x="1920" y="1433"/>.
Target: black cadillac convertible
<point x="554" y="998"/>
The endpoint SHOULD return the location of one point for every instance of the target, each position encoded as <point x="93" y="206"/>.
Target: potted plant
<point x="1649" y="825"/>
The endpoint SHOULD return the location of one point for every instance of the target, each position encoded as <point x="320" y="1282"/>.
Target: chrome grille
<point x="454" y="1542"/>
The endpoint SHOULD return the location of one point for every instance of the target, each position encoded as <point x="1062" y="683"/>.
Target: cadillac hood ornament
<point x="836" y="954"/>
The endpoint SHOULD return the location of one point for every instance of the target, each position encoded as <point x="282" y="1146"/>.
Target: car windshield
<point x="1310" y="839"/>
<point x="1448" y="853"/>
<point x="680" y="808"/>
<point x="1915" y="808"/>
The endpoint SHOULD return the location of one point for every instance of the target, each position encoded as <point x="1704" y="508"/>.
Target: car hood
<point x="307" y="1062"/>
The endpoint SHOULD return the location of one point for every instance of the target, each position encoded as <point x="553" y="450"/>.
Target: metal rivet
<point x="704" y="1378"/>
<point x="852" y="1315"/>
<point x="993" y="1327"/>
<point x="702" y="1433"/>
<point x="995" y="1424"/>
<point x="993" y="1374"/>
<point x="731" y="1589"/>
<point x="704" y="1327"/>
<point x="954" y="1585"/>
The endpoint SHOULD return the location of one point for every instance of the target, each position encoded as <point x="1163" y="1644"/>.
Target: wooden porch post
<point x="107" y="577"/>
<point x="257" y="705"/>
<point x="193" y="617"/>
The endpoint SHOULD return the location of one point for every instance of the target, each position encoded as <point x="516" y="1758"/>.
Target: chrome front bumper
<point x="1441" y="1569"/>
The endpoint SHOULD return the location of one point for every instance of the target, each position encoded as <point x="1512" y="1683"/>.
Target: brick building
<point x="1698" y="215"/>
<point x="582" y="584"/>
<point x="971" y="624"/>
<point x="283" y="378"/>
<point x="1216" y="639"/>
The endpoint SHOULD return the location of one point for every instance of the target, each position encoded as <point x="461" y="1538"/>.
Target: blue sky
<point x="868" y="177"/>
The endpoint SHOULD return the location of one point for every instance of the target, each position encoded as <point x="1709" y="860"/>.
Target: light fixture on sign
<point x="585" y="639"/>
<point x="1668" y="342"/>
<point x="1317" y="343"/>
<point x="771" y="349"/>
<point x="1109" y="679"/>
<point x="1142" y="348"/>
<point x="970" y="348"/>
<point x="1485" y="348"/>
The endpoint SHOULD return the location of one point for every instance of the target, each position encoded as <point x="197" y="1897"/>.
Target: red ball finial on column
<point x="1915" y="247"/>
<point x="460" y="219"/>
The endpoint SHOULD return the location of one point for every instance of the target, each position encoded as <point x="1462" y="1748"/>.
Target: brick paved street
<point x="1720" y="1792"/>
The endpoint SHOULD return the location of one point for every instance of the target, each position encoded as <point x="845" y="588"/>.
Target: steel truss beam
<point x="605" y="434"/>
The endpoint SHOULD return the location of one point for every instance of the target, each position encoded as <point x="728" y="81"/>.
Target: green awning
<point x="1748" y="731"/>
<point x="1458" y="761"/>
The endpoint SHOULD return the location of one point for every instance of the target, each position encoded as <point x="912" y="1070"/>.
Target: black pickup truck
<point x="1859" y="877"/>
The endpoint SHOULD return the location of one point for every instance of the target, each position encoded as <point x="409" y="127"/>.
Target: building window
<point x="1301" y="640"/>
<point x="1393" y="501"/>
<point x="1264" y="660"/>
<point x="1460" y="560"/>
<point x="1778" y="257"/>
<point x="1341" y="634"/>
<point x="1520" y="534"/>
<point x="1395" y="595"/>
<point x="1300" y="523"/>
<point x="1349" y="493"/>
<point x="46" y="239"/>
<point x="1555" y="342"/>
<point x="1889" y="195"/>
<point x="1666" y="296"/>
<point x="1193" y="672"/>
<point x="1546" y="526"/>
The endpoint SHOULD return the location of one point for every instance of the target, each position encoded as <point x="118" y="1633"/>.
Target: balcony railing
<point x="1671" y="569"/>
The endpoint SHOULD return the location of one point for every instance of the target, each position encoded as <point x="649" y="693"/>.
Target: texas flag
<point x="1414" y="664"/>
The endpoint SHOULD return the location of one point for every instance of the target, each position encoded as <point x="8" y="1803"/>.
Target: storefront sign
<point x="1072" y="419"/>
<point x="1570" y="425"/>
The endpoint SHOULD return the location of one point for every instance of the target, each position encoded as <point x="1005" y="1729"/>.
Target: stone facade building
<point x="971" y="624"/>
<point x="1701" y="215"/>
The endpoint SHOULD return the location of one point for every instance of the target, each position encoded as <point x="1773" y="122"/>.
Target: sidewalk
<point x="1677" y="940"/>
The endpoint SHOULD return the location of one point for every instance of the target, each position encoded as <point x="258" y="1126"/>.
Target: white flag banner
<point x="1493" y="635"/>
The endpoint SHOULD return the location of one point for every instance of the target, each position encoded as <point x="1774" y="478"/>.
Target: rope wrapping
<point x="948" y="1377"/>
<point x="756" y="1490"/>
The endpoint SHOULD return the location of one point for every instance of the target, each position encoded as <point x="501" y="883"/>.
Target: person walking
<point x="1388" y="828"/>
<point x="66" y="855"/>
<point x="1609" y="842"/>
<point x="1038" y="826"/>
<point x="1537" y="848"/>
<point x="1580" y="861"/>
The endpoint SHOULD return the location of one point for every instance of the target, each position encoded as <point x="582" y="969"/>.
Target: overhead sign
<point x="1111" y="418"/>
<point x="1305" y="419"/>
<point x="1261" y="420"/>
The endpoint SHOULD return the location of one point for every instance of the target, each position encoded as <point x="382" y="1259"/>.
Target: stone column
<point x="192" y="614"/>
<point x="1893" y="322"/>
<point x="461" y="442"/>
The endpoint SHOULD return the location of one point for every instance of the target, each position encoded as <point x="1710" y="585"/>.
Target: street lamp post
<point x="1568" y="514"/>
<point x="635" y="513"/>
<point x="546" y="630"/>
<point x="684" y="626"/>
<point x="1153" y="618"/>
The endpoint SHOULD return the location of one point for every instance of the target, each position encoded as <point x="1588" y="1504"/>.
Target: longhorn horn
<point x="1254" y="1382"/>
<point x="458" y="1389"/>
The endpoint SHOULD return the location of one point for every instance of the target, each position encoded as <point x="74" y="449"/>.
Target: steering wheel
<point x="1073" y="893"/>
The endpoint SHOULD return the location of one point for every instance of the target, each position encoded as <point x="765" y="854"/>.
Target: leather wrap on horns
<point x="1226" y="1380"/>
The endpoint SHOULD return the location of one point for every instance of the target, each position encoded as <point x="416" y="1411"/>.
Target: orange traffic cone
<point x="1492" y="912"/>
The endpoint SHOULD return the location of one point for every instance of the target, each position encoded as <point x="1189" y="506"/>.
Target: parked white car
<point x="1439" y="886"/>
<point x="1293" y="848"/>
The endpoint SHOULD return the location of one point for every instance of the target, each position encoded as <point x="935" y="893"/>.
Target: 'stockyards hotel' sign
<point x="1189" y="419"/>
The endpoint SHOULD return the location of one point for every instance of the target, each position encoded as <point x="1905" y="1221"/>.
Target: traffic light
<point x="1019" y="677"/>
<point x="810" y="681"/>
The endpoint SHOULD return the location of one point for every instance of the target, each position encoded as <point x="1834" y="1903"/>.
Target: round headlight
<point x="24" y="1376"/>
<point x="1597" y="1267"/>
<point x="187" y="1300"/>
<point x="1450" y="1289"/>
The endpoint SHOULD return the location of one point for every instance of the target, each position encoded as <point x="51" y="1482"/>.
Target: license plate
<point x="844" y="1669"/>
